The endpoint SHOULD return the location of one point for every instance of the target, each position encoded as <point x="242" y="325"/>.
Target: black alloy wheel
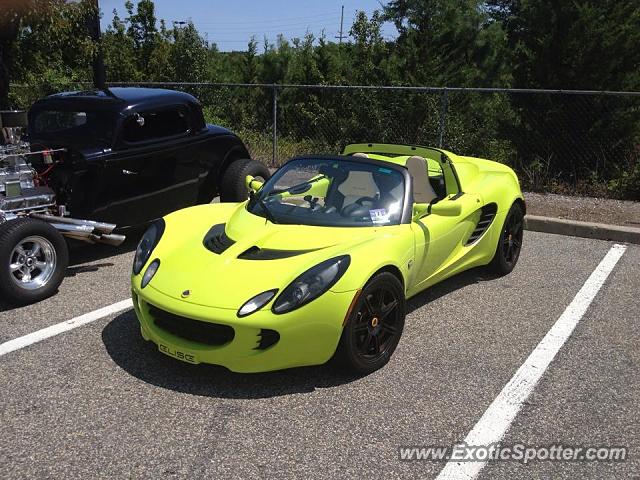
<point x="375" y="325"/>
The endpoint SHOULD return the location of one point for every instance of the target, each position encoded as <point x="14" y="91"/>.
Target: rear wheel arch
<point x="522" y="205"/>
<point x="509" y="242"/>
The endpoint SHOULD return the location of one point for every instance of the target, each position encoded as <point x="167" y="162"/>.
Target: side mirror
<point x="419" y="210"/>
<point x="252" y="184"/>
<point x="447" y="208"/>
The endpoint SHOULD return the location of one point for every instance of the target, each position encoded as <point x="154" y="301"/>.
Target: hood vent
<point x="256" y="253"/>
<point x="216" y="240"/>
<point x="487" y="213"/>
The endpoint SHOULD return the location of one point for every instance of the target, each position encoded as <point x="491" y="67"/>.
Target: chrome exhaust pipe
<point x="78" y="230"/>
<point x="83" y="230"/>
<point x="112" y="239"/>
<point x="87" y="237"/>
<point x="100" y="227"/>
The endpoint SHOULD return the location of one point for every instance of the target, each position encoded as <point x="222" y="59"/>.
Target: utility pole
<point x="341" y="36"/>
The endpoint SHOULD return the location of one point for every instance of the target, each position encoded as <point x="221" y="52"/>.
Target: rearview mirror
<point x="447" y="208"/>
<point x="252" y="183"/>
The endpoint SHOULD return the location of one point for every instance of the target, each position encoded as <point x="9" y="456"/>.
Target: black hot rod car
<point x="120" y="157"/>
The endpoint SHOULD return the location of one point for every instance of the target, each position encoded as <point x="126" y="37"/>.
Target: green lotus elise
<point x="319" y="262"/>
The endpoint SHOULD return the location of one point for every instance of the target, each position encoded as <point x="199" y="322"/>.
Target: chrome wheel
<point x="32" y="262"/>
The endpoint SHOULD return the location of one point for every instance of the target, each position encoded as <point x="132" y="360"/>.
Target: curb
<point x="574" y="228"/>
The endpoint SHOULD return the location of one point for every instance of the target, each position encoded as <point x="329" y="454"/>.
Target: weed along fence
<point x="583" y="141"/>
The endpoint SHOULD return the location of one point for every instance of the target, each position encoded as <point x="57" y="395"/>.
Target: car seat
<point x="423" y="192"/>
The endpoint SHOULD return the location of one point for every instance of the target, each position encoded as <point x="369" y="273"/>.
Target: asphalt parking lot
<point x="98" y="401"/>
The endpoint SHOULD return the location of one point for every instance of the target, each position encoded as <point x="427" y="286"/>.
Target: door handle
<point x="129" y="172"/>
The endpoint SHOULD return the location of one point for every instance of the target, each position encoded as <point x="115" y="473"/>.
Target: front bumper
<point x="307" y="336"/>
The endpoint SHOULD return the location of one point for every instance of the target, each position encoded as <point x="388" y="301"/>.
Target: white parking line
<point x="496" y="420"/>
<point x="53" y="330"/>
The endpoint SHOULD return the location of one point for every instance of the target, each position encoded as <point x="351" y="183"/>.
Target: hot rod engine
<point x="18" y="191"/>
<point x="24" y="191"/>
<point x="33" y="225"/>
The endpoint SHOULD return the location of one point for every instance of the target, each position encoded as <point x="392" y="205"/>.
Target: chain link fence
<point x="575" y="141"/>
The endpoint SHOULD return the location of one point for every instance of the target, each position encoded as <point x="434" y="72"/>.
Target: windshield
<point x="329" y="192"/>
<point x="77" y="124"/>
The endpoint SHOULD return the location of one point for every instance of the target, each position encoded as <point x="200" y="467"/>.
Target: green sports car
<point x="319" y="262"/>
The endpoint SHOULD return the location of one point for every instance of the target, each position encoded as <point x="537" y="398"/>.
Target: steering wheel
<point x="357" y="208"/>
<point x="361" y="200"/>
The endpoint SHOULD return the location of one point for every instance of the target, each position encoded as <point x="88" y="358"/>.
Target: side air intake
<point x="487" y="214"/>
<point x="266" y="339"/>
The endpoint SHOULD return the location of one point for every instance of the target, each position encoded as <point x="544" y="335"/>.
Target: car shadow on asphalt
<point x="141" y="359"/>
<point x="469" y="277"/>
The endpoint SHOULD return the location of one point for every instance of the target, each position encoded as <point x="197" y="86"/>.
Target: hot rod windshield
<point x="89" y="125"/>
<point x="332" y="192"/>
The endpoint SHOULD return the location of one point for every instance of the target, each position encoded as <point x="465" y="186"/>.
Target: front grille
<point x="192" y="330"/>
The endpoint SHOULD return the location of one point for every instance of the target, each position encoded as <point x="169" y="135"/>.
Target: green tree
<point x="275" y="61"/>
<point x="162" y="66"/>
<point x="49" y="46"/>
<point x="189" y="54"/>
<point x="575" y="45"/>
<point x="8" y="35"/>
<point x="250" y="63"/>
<point x="572" y="45"/>
<point x="303" y="68"/>
<point x="448" y="42"/>
<point x="330" y="61"/>
<point x="369" y="50"/>
<point x="119" y="52"/>
<point x="142" y="29"/>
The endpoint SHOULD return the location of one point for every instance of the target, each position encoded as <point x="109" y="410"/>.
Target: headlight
<point x="152" y="269"/>
<point x="311" y="284"/>
<point x="256" y="303"/>
<point x="147" y="243"/>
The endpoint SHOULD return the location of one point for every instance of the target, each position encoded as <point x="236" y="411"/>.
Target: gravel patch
<point x="585" y="209"/>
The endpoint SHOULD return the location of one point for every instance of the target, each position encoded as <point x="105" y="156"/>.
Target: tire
<point x="510" y="242"/>
<point x="374" y="327"/>
<point x="233" y="188"/>
<point x="35" y="250"/>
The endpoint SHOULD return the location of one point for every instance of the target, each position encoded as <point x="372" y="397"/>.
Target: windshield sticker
<point x="384" y="170"/>
<point x="379" y="215"/>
